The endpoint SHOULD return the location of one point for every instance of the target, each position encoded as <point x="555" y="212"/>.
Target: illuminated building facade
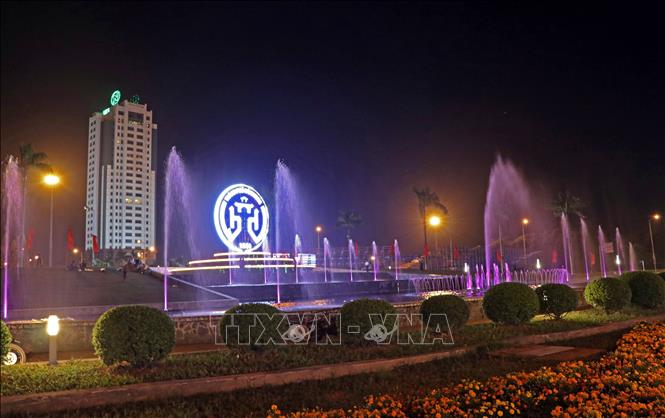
<point x="120" y="189"/>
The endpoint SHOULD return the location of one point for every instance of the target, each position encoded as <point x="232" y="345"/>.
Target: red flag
<point x="392" y="249"/>
<point x="70" y="239"/>
<point x="593" y="258"/>
<point x="456" y="253"/>
<point x="555" y="257"/>
<point x="498" y="256"/>
<point x="28" y="242"/>
<point x="357" y="249"/>
<point x="426" y="251"/>
<point x="95" y="244"/>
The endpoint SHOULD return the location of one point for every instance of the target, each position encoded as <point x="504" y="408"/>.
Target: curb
<point x="88" y="398"/>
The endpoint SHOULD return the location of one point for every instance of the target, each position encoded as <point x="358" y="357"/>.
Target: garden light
<point x="52" y="329"/>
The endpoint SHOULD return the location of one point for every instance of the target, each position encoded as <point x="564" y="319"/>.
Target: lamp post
<point x="52" y="329"/>
<point x="51" y="180"/>
<point x="318" y="230"/>
<point x="525" y="222"/>
<point x="656" y="217"/>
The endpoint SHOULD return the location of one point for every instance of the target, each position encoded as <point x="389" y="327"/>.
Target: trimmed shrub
<point x="647" y="288"/>
<point x="454" y="307"/>
<point x="138" y="335"/>
<point x="252" y="325"/>
<point x="5" y="340"/>
<point x="363" y="315"/>
<point x="608" y="293"/>
<point x="556" y="299"/>
<point x="662" y="275"/>
<point x="510" y="303"/>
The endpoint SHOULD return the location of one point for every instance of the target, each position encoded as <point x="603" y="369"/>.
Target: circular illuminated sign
<point x="115" y="98"/>
<point x="241" y="218"/>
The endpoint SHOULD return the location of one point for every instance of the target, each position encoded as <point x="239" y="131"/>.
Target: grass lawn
<point x="33" y="378"/>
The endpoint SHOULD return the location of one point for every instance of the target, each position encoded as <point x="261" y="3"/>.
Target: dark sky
<point x="362" y="101"/>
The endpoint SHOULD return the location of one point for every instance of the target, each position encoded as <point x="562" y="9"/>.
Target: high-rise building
<point x="122" y="159"/>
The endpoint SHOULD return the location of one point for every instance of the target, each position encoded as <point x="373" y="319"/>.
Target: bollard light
<point x="538" y="263"/>
<point x="52" y="329"/>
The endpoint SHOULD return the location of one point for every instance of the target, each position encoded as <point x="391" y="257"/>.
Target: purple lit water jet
<point x="351" y="250"/>
<point x="601" y="251"/>
<point x="398" y="259"/>
<point x="620" y="251"/>
<point x="632" y="256"/>
<point x="375" y="260"/>
<point x="326" y="258"/>
<point x="297" y="250"/>
<point x="584" y="232"/>
<point x="12" y="212"/>
<point x="178" y="213"/>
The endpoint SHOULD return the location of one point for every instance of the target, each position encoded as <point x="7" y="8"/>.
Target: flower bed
<point x="628" y="382"/>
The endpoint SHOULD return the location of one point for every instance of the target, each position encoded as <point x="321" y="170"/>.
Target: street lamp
<point x="51" y="180"/>
<point x="434" y="221"/>
<point x="656" y="217"/>
<point x="525" y="222"/>
<point x="318" y="230"/>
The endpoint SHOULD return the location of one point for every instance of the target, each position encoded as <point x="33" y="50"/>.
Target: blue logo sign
<point x="241" y="218"/>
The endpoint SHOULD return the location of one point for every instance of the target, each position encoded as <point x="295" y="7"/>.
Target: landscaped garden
<point x="142" y="355"/>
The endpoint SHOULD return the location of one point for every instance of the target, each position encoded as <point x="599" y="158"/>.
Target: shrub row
<point x="141" y="336"/>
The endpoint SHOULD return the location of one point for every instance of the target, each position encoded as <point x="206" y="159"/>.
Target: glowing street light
<point x="434" y="220"/>
<point x="318" y="230"/>
<point x="525" y="222"/>
<point x="656" y="217"/>
<point x="151" y="249"/>
<point x="51" y="180"/>
<point x="52" y="329"/>
<point x="538" y="266"/>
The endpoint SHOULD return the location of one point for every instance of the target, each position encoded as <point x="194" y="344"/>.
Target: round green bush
<point x="5" y="340"/>
<point x="363" y="315"/>
<point x="252" y="325"/>
<point x="556" y="299"/>
<point x="647" y="288"/>
<point x="454" y="307"/>
<point x="138" y="335"/>
<point x="608" y="293"/>
<point x="510" y="303"/>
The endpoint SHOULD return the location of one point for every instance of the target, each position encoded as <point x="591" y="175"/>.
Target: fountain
<point x="375" y="260"/>
<point x="13" y="206"/>
<point x="398" y="259"/>
<point x="632" y="256"/>
<point x="620" y="249"/>
<point x="567" y="248"/>
<point x="287" y="209"/>
<point x="177" y="210"/>
<point x="508" y="201"/>
<point x="297" y="250"/>
<point x="351" y="253"/>
<point x="326" y="259"/>
<point x="585" y="239"/>
<point x="601" y="251"/>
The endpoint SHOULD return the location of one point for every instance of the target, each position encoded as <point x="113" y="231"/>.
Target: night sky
<point x="362" y="101"/>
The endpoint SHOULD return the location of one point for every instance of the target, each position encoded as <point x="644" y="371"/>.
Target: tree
<point x="28" y="159"/>
<point x="428" y="203"/>
<point x="567" y="203"/>
<point x="348" y="220"/>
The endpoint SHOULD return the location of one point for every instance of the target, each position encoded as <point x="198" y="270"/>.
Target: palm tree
<point x="428" y="202"/>
<point x="567" y="203"/>
<point x="29" y="159"/>
<point x="348" y="220"/>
